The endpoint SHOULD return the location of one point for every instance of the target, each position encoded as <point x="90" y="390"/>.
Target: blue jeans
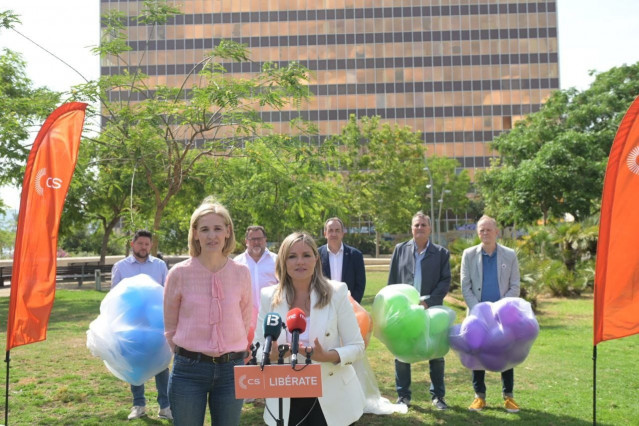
<point x="403" y="378"/>
<point x="194" y="383"/>
<point x="507" y="382"/>
<point x="161" y="384"/>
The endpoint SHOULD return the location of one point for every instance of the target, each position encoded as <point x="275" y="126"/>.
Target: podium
<point x="278" y="381"/>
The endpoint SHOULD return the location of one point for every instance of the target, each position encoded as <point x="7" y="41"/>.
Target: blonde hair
<point x="285" y="287"/>
<point x="210" y="206"/>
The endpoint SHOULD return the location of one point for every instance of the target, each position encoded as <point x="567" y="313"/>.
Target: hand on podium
<point x="319" y="354"/>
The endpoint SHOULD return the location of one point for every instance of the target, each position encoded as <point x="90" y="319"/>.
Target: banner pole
<point x="6" y="390"/>
<point x="594" y="385"/>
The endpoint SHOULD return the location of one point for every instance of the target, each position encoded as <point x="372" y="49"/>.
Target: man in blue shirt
<point x="141" y="262"/>
<point x="489" y="272"/>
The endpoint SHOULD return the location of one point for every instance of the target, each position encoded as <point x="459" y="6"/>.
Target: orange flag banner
<point x="617" y="267"/>
<point x="46" y="181"/>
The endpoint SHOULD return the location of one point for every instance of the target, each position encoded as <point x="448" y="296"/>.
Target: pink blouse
<point x="205" y="311"/>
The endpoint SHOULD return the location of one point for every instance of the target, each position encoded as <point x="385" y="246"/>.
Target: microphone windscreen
<point x="272" y="325"/>
<point x="296" y="320"/>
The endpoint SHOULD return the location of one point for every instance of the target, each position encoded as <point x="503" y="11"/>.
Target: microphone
<point x="254" y="348"/>
<point x="272" y="330"/>
<point x="296" y="324"/>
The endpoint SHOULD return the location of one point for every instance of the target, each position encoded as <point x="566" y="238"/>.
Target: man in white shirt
<point x="261" y="263"/>
<point x="341" y="262"/>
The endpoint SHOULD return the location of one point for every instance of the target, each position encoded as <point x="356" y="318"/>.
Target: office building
<point x="459" y="71"/>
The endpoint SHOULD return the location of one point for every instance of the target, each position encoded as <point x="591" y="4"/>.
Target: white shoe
<point x="165" y="413"/>
<point x="136" y="412"/>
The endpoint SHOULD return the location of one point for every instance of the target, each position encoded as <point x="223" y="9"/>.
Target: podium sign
<point x="278" y="381"/>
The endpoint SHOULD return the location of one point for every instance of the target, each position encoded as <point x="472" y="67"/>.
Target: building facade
<point x="459" y="71"/>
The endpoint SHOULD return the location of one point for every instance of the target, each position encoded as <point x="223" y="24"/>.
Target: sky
<point x="593" y="35"/>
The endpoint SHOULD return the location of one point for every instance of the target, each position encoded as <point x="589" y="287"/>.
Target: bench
<point x="74" y="272"/>
<point x="80" y="272"/>
<point x="5" y="274"/>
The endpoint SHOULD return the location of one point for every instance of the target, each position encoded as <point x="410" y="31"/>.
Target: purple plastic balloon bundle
<point x="495" y="336"/>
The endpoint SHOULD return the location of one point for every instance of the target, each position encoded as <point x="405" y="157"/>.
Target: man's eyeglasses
<point x="421" y="225"/>
<point x="256" y="239"/>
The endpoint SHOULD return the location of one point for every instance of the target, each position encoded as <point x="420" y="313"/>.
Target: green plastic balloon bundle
<point x="409" y="331"/>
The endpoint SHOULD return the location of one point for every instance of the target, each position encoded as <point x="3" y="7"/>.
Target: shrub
<point x="456" y="249"/>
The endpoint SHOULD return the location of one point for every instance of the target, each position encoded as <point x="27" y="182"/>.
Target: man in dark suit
<point x="341" y="262"/>
<point x="426" y="266"/>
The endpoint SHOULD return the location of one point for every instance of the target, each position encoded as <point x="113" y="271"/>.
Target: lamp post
<point x="430" y="186"/>
<point x="439" y="215"/>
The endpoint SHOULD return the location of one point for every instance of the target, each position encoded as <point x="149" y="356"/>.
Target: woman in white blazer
<point x="332" y="331"/>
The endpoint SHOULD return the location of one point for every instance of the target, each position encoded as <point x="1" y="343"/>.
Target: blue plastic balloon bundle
<point x="128" y="335"/>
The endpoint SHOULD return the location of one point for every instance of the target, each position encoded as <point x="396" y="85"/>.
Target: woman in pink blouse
<point x="207" y="314"/>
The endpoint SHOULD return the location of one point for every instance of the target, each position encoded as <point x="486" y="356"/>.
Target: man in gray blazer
<point x="489" y="272"/>
<point x="426" y="266"/>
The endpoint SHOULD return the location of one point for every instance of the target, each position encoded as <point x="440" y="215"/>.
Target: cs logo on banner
<point x="50" y="182"/>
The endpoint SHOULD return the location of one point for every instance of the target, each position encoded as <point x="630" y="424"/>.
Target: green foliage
<point x="113" y="39"/>
<point x="449" y="185"/>
<point x="385" y="179"/>
<point x="85" y="241"/>
<point x="558" y="259"/>
<point x="281" y="183"/>
<point x="160" y="134"/>
<point x="553" y="161"/>
<point x="530" y="284"/>
<point x="365" y="243"/>
<point x="7" y="238"/>
<point x="456" y="248"/>
<point x="558" y="279"/>
<point x="8" y="19"/>
<point x="156" y="13"/>
<point x="450" y="190"/>
<point x="577" y="242"/>
<point x="22" y="109"/>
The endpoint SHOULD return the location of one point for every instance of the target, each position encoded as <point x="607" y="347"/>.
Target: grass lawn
<point x="58" y="381"/>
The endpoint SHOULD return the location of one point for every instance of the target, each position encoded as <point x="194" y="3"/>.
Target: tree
<point x="450" y="189"/>
<point x="553" y="161"/>
<point x="22" y="110"/>
<point x="383" y="172"/>
<point x="101" y="196"/>
<point x="386" y="177"/>
<point x="7" y="234"/>
<point x="164" y="132"/>
<point x="282" y="183"/>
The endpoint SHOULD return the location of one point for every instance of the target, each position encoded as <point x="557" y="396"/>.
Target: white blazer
<point x="472" y="273"/>
<point x="336" y="328"/>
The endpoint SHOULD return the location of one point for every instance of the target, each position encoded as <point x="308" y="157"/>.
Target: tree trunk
<point x="157" y="220"/>
<point x="377" y="238"/>
<point x="108" y="228"/>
